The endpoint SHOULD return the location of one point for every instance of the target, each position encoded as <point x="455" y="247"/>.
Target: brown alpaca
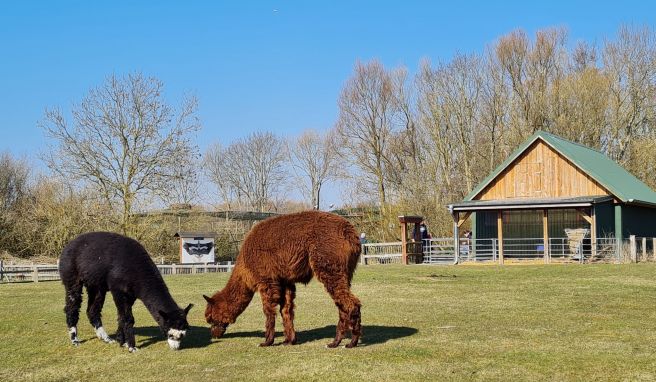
<point x="280" y="252"/>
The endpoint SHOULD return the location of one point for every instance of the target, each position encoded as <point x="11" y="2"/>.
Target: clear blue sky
<point x="260" y="65"/>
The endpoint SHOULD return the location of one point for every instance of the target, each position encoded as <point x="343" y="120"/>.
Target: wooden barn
<point x="551" y="198"/>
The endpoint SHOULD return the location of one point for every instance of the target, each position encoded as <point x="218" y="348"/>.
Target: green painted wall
<point x="639" y="221"/>
<point x="486" y="224"/>
<point x="605" y="215"/>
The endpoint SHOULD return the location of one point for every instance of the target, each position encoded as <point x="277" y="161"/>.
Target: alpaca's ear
<point x="208" y="299"/>
<point x="163" y="314"/>
<point x="186" y="310"/>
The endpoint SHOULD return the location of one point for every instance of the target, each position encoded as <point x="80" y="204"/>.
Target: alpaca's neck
<point x="237" y="294"/>
<point x="157" y="298"/>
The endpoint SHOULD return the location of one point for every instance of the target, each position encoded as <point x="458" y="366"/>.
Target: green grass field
<point x="593" y="322"/>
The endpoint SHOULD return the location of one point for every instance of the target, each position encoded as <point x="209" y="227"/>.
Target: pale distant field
<point x="591" y="322"/>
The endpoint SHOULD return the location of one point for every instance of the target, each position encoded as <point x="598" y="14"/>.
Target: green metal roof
<point x="619" y="182"/>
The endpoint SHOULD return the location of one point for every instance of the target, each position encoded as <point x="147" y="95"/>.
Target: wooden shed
<point x="549" y="188"/>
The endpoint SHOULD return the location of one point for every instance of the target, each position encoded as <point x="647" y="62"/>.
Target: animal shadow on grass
<point x="197" y="337"/>
<point x="371" y="334"/>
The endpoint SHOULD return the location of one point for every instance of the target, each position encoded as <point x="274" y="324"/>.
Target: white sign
<point x="197" y="250"/>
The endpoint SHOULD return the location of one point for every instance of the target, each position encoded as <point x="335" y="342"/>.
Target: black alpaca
<point x="103" y="261"/>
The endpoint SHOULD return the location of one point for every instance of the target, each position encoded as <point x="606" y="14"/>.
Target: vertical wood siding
<point x="540" y="172"/>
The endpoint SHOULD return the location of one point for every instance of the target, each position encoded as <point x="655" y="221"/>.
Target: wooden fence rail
<point x="38" y="273"/>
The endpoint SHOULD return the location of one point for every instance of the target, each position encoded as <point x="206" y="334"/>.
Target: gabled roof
<point x="619" y="182"/>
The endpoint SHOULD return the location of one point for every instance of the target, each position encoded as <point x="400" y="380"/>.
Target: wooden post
<point x="404" y="244"/>
<point x="593" y="234"/>
<point x="181" y="248"/>
<point x="460" y="221"/>
<point x="619" y="230"/>
<point x="494" y="249"/>
<point x="644" y="249"/>
<point x="35" y="273"/>
<point x="545" y="236"/>
<point x="653" y="249"/>
<point x="456" y="237"/>
<point x="173" y="269"/>
<point x="500" y="235"/>
<point x="590" y="218"/>
<point x="634" y="250"/>
<point x="2" y="268"/>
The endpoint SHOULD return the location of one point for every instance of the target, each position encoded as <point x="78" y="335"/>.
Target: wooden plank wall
<point x="540" y="172"/>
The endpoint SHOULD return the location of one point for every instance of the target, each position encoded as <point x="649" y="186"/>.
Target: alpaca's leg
<point x="94" y="309"/>
<point x="342" y="327"/>
<point x="355" y="323"/>
<point x="118" y="301"/>
<point x="287" y="313"/>
<point x="270" y="294"/>
<point x="348" y="305"/>
<point x="128" y="329"/>
<point x="125" y="332"/>
<point x="72" y="308"/>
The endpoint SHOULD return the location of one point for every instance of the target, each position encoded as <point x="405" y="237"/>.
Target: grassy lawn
<point x="593" y="322"/>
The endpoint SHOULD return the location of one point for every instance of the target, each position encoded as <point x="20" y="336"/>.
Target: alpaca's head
<point x="175" y="325"/>
<point x="217" y="315"/>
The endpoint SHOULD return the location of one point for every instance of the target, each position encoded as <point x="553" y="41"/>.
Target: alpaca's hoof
<point x="132" y="349"/>
<point x="351" y="345"/>
<point x="101" y="334"/>
<point x="286" y="343"/>
<point x="332" y="345"/>
<point x="266" y="343"/>
<point x="75" y="342"/>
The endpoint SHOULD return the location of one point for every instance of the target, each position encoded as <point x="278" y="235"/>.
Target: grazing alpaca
<point x="280" y="252"/>
<point x="103" y="261"/>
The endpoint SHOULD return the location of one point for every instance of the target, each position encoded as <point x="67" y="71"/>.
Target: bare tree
<point x="459" y="86"/>
<point x="493" y="112"/>
<point x="532" y="67"/>
<point x="250" y="171"/>
<point x="313" y="158"/>
<point x="185" y="184"/>
<point x="14" y="174"/>
<point x="14" y="189"/>
<point x="368" y="117"/>
<point x="217" y="166"/>
<point x="630" y="64"/>
<point x="124" y="139"/>
<point x="442" y="155"/>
